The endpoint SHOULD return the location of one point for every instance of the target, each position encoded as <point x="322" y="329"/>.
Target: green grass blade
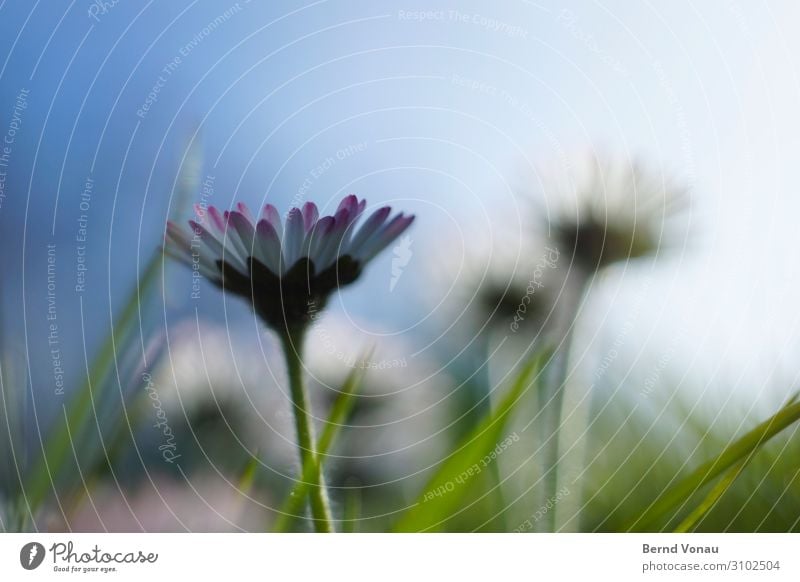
<point x="432" y="510"/>
<point x="248" y="475"/>
<point x="190" y="175"/>
<point x="713" y="496"/>
<point x="741" y="449"/>
<point x="352" y="510"/>
<point x="77" y="412"/>
<point x="340" y="412"/>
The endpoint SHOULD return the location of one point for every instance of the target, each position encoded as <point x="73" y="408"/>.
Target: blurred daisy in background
<point x="601" y="211"/>
<point x="596" y="212"/>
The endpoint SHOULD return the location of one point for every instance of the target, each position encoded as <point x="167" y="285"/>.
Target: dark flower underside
<point x="287" y="303"/>
<point x="596" y="245"/>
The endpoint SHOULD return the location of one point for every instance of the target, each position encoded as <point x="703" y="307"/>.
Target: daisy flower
<point x="610" y="212"/>
<point x="606" y="212"/>
<point x="287" y="270"/>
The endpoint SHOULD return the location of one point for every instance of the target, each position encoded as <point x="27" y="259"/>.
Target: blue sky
<point x="441" y="108"/>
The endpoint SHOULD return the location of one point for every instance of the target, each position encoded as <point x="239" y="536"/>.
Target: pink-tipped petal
<point x="329" y="252"/>
<point x="317" y="239"/>
<point x="310" y="215"/>
<point x="201" y="213"/>
<point x="179" y="246"/>
<point x="217" y="221"/>
<point x="232" y="240"/>
<point x="384" y="237"/>
<point x="218" y="250"/>
<point x="372" y="224"/>
<point x="177" y="237"/>
<point x="270" y="245"/>
<point x="204" y="264"/>
<point x="242" y="207"/>
<point x="247" y="235"/>
<point x="360" y="209"/>
<point x="349" y="202"/>
<point x="351" y="226"/>
<point x="271" y="214"/>
<point x="293" y="237"/>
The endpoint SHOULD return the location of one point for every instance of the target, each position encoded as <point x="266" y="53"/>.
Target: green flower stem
<point x="552" y="397"/>
<point x="552" y="402"/>
<point x="310" y="461"/>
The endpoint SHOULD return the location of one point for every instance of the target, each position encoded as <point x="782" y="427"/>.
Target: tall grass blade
<point x="713" y="496"/>
<point x="443" y="497"/>
<point x="741" y="449"/>
<point x="77" y="412"/>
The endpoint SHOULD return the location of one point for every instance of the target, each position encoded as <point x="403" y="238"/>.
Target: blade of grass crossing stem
<point x="351" y="510"/>
<point x="340" y="411"/>
<point x="443" y="495"/>
<point x="713" y="496"/>
<point x="248" y="476"/>
<point x="707" y="472"/>
<point x="57" y="446"/>
<point x="696" y="516"/>
<point x="247" y="479"/>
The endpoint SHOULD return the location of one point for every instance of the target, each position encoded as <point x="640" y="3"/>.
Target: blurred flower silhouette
<point x="611" y="212"/>
<point x="287" y="271"/>
<point x="606" y="212"/>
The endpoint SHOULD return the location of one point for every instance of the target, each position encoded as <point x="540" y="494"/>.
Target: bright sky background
<point x="445" y="115"/>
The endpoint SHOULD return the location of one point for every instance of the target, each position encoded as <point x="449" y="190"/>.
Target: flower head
<point x="287" y="270"/>
<point x="612" y="212"/>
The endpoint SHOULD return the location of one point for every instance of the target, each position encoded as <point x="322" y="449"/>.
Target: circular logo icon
<point x="31" y="555"/>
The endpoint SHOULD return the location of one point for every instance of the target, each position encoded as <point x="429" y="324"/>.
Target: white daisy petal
<point x="247" y="234"/>
<point x="332" y="247"/>
<point x="382" y="238"/>
<point x="204" y="266"/>
<point x="271" y="214"/>
<point x="372" y="224"/>
<point x="178" y="238"/>
<point x="293" y="238"/>
<point x="242" y="207"/>
<point x="232" y="241"/>
<point x="217" y="221"/>
<point x="318" y="239"/>
<point x="219" y="251"/>
<point x="310" y="215"/>
<point x="179" y="246"/>
<point x="270" y="245"/>
<point x="351" y="228"/>
<point x="349" y="203"/>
